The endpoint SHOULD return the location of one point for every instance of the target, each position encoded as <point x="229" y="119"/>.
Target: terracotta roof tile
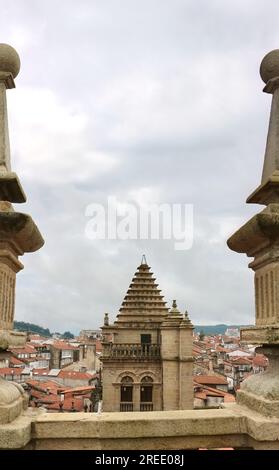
<point x="71" y="374"/>
<point x="10" y="371"/>
<point x="64" y="346"/>
<point x="16" y="362"/>
<point x="210" y="379"/>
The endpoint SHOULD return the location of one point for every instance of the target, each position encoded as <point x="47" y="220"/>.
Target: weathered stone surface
<point x="267" y="192"/>
<point x="11" y="339"/>
<point x="259" y="238"/>
<point x="257" y="402"/>
<point x="12" y="401"/>
<point x="260" y="335"/>
<point x="10" y="188"/>
<point x="261" y="391"/>
<point x="234" y="426"/>
<point x="21" y="229"/>
<point x="258" y="233"/>
<point x="138" y="425"/>
<point x="9" y="60"/>
<point x="18" y="234"/>
<point x="167" y="359"/>
<point x="15" y="435"/>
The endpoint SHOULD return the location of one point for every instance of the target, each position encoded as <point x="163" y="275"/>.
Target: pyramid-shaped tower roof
<point x="143" y="300"/>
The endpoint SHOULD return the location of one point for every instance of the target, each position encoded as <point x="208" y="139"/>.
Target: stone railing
<point x="233" y="426"/>
<point x="126" y="406"/>
<point x="147" y="406"/>
<point x="132" y="351"/>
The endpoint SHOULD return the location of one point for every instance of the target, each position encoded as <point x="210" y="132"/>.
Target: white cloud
<point x="54" y="139"/>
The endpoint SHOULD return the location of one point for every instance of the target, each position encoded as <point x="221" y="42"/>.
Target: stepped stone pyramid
<point x="143" y="300"/>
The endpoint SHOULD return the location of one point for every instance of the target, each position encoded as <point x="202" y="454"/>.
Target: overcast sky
<point x="148" y="101"/>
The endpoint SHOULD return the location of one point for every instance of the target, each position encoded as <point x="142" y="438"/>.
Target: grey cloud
<point x="163" y="95"/>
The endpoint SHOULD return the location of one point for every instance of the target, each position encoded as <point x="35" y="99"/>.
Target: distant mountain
<point x="36" y="329"/>
<point x="39" y="330"/>
<point x="215" y="329"/>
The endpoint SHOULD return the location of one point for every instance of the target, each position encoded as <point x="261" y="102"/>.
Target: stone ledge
<point x="233" y="426"/>
<point x="138" y="424"/>
<point x="144" y="443"/>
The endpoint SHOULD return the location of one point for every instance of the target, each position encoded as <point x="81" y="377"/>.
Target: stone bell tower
<point x="259" y="238"/>
<point x="147" y="352"/>
<point x="18" y="235"/>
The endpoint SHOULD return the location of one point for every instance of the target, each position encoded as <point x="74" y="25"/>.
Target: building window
<point x="145" y="339"/>
<point x="146" y="394"/>
<point x="126" y="389"/>
<point x="145" y="344"/>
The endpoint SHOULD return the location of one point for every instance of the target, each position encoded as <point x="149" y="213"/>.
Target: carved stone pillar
<point x="18" y="235"/>
<point x="259" y="238"/>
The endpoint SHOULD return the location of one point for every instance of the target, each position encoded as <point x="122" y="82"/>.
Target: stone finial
<point x="269" y="68"/>
<point x="143" y="260"/>
<point x="174" y="310"/>
<point x="10" y="187"/>
<point x="186" y="315"/>
<point x="9" y="60"/>
<point x="106" y="319"/>
<point x="268" y="191"/>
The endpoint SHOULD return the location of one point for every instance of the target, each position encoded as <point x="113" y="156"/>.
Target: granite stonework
<point x="145" y="350"/>
<point x="18" y="235"/>
<point x="259" y="238"/>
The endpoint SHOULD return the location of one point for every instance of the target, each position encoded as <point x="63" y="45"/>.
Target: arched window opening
<point x="146" y="394"/>
<point x="126" y="394"/>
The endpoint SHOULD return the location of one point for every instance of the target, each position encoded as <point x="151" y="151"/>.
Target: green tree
<point x="202" y="335"/>
<point x="68" y="335"/>
<point x="31" y="328"/>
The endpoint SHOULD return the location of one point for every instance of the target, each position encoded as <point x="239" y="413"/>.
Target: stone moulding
<point x="10" y="188"/>
<point x="11" y="339"/>
<point x="21" y="229"/>
<point x="260" y="335"/>
<point x="266" y="193"/>
<point x="257" y="233"/>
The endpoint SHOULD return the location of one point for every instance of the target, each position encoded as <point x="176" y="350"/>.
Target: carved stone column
<point x="259" y="238"/>
<point x="18" y="235"/>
